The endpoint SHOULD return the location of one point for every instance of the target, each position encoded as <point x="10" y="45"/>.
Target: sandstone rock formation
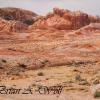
<point x="17" y="14"/>
<point x="12" y="26"/>
<point x="68" y="36"/>
<point x="65" y="20"/>
<point x="15" y="19"/>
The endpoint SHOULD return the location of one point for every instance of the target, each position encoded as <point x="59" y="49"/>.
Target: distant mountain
<point x="17" y="14"/>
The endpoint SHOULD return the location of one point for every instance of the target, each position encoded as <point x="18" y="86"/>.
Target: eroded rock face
<point x="64" y="20"/>
<point x="94" y="19"/>
<point x="17" y="14"/>
<point x="15" y="19"/>
<point x="12" y="26"/>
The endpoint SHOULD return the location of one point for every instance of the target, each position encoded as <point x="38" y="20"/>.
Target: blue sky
<point x="44" y="6"/>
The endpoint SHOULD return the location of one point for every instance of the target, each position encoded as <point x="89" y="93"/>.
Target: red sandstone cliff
<point x="65" y="20"/>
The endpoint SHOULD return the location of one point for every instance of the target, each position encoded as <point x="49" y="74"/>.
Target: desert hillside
<point x="62" y="47"/>
<point x="10" y="13"/>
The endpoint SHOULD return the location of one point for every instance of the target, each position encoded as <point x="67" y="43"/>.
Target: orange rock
<point x="64" y="20"/>
<point x="12" y="26"/>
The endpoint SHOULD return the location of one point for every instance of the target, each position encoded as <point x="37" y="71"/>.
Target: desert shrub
<point x="4" y="61"/>
<point x="45" y="62"/>
<point x="97" y="94"/>
<point x="80" y="63"/>
<point x="29" y="22"/>
<point x="7" y="17"/>
<point x="40" y="74"/>
<point x="22" y="65"/>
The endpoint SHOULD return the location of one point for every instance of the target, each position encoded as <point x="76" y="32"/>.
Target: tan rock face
<point x="64" y="20"/>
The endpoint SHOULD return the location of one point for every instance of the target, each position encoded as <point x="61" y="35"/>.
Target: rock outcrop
<point x="65" y="20"/>
<point x="12" y="26"/>
<point x="18" y="15"/>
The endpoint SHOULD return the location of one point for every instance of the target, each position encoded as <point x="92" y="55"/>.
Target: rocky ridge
<point x="17" y="14"/>
<point x="65" y="20"/>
